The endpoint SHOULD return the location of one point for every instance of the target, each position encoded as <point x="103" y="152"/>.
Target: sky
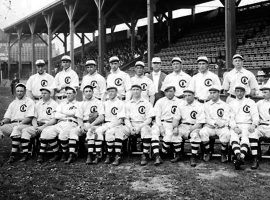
<point x="14" y="10"/>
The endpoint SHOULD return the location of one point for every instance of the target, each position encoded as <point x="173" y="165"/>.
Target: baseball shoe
<point x="158" y="160"/>
<point x="193" y="161"/>
<point x="40" y="159"/>
<point x="89" y="159"/>
<point x="255" y="163"/>
<point x="116" y="162"/>
<point x="70" y="159"/>
<point x="143" y="160"/>
<point x="108" y="159"/>
<point x="63" y="157"/>
<point x="24" y="158"/>
<point x="206" y="157"/>
<point x="176" y="158"/>
<point x="224" y="158"/>
<point x="11" y="160"/>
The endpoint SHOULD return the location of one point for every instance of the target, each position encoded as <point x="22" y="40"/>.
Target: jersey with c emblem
<point x="139" y="111"/>
<point x="165" y="109"/>
<point x="37" y="81"/>
<point x="179" y="80"/>
<point x="217" y="111"/>
<point x="44" y="111"/>
<point x="264" y="111"/>
<point x="244" y="111"/>
<point x="114" y="109"/>
<point x="146" y="84"/>
<point x="66" y="77"/>
<point x="88" y="107"/>
<point x="190" y="113"/>
<point x="20" y="109"/>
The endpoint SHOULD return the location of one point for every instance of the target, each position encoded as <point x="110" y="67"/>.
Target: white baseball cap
<point x="260" y="73"/>
<point x="202" y="58"/>
<point x="66" y="58"/>
<point x="46" y="88"/>
<point x="178" y="59"/>
<point x="71" y="87"/>
<point x="114" y="59"/>
<point x="40" y="62"/>
<point x="238" y="56"/>
<point x="140" y="63"/>
<point x="215" y="88"/>
<point x="156" y="60"/>
<point x="90" y="62"/>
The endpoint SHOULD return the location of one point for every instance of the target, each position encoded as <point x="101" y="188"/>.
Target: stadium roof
<point x="118" y="12"/>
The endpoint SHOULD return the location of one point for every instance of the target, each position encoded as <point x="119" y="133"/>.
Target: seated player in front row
<point x="217" y="114"/>
<point x="165" y="109"/>
<point x="112" y="129"/>
<point x="138" y="118"/>
<point x="64" y="121"/>
<point x="90" y="113"/>
<point x="244" y="121"/>
<point x="192" y="117"/>
<point x="19" y="113"/>
<point x="44" y="112"/>
<point x="263" y="129"/>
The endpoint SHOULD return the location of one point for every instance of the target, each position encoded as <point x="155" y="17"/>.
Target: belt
<point x="16" y="121"/>
<point x="61" y="97"/>
<point x="202" y="101"/>
<point x="166" y="121"/>
<point x="264" y="124"/>
<point x="40" y="123"/>
<point x="187" y="123"/>
<point x="69" y="120"/>
<point x="85" y="121"/>
<point x="233" y="96"/>
<point x="37" y="98"/>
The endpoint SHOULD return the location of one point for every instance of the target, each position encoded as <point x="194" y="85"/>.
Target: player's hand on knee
<point x="175" y="131"/>
<point x="237" y="130"/>
<point x="251" y="128"/>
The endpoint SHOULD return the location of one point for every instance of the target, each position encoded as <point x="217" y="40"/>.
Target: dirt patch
<point x="161" y="184"/>
<point x="217" y="174"/>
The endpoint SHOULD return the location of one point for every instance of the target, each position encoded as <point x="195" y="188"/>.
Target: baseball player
<point x="39" y="80"/>
<point x="89" y="115"/>
<point x="217" y="118"/>
<point x="239" y="76"/>
<point x="94" y="79"/>
<point x="147" y="85"/>
<point x="65" y="120"/>
<point x="66" y="77"/>
<point x="263" y="130"/>
<point x="261" y="80"/>
<point x="192" y="118"/>
<point x="179" y="79"/>
<point x="19" y="113"/>
<point x="112" y="129"/>
<point x="139" y="113"/>
<point x="245" y="119"/>
<point x="165" y="109"/>
<point x="119" y="79"/>
<point x="201" y="82"/>
<point x="44" y="112"/>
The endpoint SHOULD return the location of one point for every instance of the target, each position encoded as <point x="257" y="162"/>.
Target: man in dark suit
<point x="158" y="77"/>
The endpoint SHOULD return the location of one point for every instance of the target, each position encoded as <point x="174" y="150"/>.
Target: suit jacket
<point x="160" y="93"/>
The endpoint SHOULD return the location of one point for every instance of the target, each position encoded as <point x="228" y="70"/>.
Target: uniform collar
<point x="218" y="102"/>
<point x="180" y="73"/>
<point x="67" y="70"/>
<point x="48" y="102"/>
<point x="239" y="71"/>
<point x="173" y="99"/>
<point x="72" y="102"/>
<point x="156" y="73"/>
<point x="139" y="76"/>
<point x="92" y="74"/>
<point x="187" y="104"/>
<point x="138" y="101"/>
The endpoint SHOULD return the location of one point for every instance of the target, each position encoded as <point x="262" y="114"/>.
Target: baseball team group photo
<point x="167" y="108"/>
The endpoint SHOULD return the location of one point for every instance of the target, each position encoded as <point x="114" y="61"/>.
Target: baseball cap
<point x="178" y="59"/>
<point x="66" y="58"/>
<point x="139" y="63"/>
<point x="202" y="58"/>
<point x="156" y="60"/>
<point x="90" y="62"/>
<point x="40" y="62"/>
<point x="71" y="87"/>
<point x="238" y="56"/>
<point x="114" y="59"/>
<point x="20" y="85"/>
<point x="46" y="88"/>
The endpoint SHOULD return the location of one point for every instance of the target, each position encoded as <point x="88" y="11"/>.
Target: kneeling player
<point x="217" y="114"/>
<point x="192" y="117"/>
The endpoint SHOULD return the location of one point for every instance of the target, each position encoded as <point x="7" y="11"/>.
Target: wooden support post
<point x="230" y="36"/>
<point x="19" y="35"/>
<point x="65" y="43"/>
<point x="150" y="32"/>
<point x="169" y="21"/>
<point x="70" y="10"/>
<point x="32" y="25"/>
<point x="9" y="56"/>
<point x="82" y="42"/>
<point x="49" y="19"/>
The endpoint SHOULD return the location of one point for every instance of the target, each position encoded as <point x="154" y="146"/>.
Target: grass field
<point x="129" y="180"/>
